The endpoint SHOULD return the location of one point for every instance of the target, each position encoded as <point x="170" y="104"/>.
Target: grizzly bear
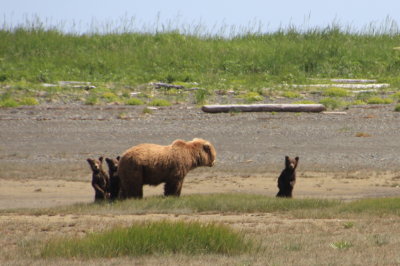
<point x="287" y="179"/>
<point x="100" y="179"/>
<point x="152" y="164"/>
<point x="113" y="187"/>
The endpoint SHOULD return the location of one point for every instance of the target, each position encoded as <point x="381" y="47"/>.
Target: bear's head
<point x="95" y="165"/>
<point x="112" y="164"/>
<point x="207" y="153"/>
<point x="291" y="163"/>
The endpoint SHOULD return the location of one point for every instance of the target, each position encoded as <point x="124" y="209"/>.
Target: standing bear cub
<point x="113" y="186"/>
<point x="151" y="164"/>
<point x="287" y="179"/>
<point x="100" y="179"/>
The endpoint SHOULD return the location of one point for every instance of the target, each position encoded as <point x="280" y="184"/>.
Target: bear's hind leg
<point x="172" y="188"/>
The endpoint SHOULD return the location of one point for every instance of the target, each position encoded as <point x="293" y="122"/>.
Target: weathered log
<point x="159" y="85"/>
<point x="263" y="108"/>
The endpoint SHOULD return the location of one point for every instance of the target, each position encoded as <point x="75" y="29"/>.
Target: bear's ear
<point x="101" y="158"/>
<point x="118" y="157"/>
<point x="89" y="160"/>
<point x="297" y="158"/>
<point x="287" y="161"/>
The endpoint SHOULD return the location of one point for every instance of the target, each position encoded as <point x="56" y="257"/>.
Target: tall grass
<point x="152" y="238"/>
<point x="36" y="53"/>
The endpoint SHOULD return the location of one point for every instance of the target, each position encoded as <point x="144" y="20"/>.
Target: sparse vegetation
<point x="238" y="203"/>
<point x="159" y="102"/>
<point x="332" y="103"/>
<point x="134" y="101"/>
<point x="251" y="97"/>
<point x="397" y="108"/>
<point x="291" y="94"/>
<point x="379" y="100"/>
<point x="336" y="92"/>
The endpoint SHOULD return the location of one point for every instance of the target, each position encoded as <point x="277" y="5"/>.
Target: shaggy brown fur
<point x="151" y="164"/>
<point x="287" y="179"/>
<point x="99" y="179"/>
<point x="113" y="187"/>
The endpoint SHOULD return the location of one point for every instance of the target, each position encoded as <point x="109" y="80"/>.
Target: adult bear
<point x="152" y="164"/>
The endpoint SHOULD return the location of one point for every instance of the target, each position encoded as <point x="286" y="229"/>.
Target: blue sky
<point x="84" y="15"/>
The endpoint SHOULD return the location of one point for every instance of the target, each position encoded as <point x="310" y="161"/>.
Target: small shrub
<point x="200" y="96"/>
<point x="341" y="245"/>
<point x="291" y="94"/>
<point x="160" y="102"/>
<point x="251" y="97"/>
<point x="358" y="102"/>
<point x="147" y="110"/>
<point x="332" y="103"/>
<point x="396" y="96"/>
<point x="379" y="100"/>
<point x="91" y="100"/>
<point x="8" y="103"/>
<point x="336" y="92"/>
<point x="29" y="101"/>
<point x="348" y="225"/>
<point x="397" y="108"/>
<point x="122" y="115"/>
<point x="134" y="101"/>
<point x="109" y="97"/>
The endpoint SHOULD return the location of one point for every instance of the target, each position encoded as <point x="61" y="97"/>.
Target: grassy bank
<point x="254" y="64"/>
<point x="254" y="60"/>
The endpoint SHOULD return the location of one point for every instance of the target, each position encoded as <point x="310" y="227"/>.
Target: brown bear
<point x="287" y="179"/>
<point x="100" y="179"/>
<point x="113" y="187"/>
<point x="151" y="164"/>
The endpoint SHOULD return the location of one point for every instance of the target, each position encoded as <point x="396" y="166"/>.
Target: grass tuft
<point x="152" y="238"/>
<point x="332" y="103"/>
<point x="134" y="101"/>
<point x="336" y="92"/>
<point x="159" y="102"/>
<point x="379" y="100"/>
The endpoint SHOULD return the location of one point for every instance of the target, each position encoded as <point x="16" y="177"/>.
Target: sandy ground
<point x="43" y="150"/>
<point x="43" y="153"/>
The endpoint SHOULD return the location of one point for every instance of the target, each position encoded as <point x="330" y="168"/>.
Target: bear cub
<point x="287" y="179"/>
<point x="113" y="188"/>
<point x="100" y="180"/>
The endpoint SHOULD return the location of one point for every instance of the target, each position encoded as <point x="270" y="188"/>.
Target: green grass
<point x="8" y="103"/>
<point x="291" y="94"/>
<point x="336" y="92"/>
<point x="379" y="100"/>
<point x="152" y="238"/>
<point x="251" y="97"/>
<point x="159" y="102"/>
<point x="237" y="203"/>
<point x="134" y="101"/>
<point x="332" y="103"/>
<point x="247" y="60"/>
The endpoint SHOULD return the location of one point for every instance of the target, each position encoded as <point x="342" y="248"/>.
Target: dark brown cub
<point x="287" y="179"/>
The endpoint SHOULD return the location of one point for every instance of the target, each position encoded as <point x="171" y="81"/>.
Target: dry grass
<point x="284" y="241"/>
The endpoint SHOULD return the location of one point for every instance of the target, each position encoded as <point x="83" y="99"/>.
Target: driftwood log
<point x="263" y="108"/>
